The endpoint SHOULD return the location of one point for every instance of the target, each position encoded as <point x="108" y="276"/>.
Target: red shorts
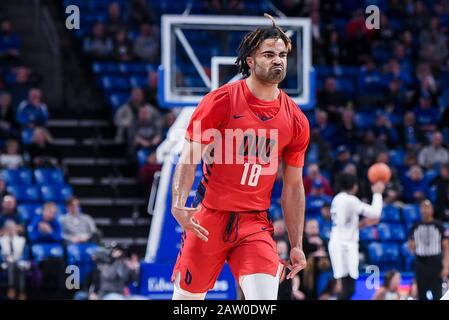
<point x="246" y="243"/>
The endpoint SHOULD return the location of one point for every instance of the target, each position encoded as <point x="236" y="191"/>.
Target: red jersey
<point x="251" y="137"/>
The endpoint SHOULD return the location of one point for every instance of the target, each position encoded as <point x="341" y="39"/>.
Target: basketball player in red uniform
<point x="230" y="221"/>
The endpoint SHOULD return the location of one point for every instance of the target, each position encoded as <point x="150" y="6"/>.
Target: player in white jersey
<point x="344" y="238"/>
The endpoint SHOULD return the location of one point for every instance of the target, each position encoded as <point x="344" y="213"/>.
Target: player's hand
<point x="378" y="187"/>
<point x="185" y="218"/>
<point x="297" y="262"/>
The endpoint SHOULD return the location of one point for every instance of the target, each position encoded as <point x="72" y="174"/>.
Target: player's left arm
<point x="293" y="205"/>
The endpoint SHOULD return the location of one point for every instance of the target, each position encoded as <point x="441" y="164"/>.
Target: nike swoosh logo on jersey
<point x="237" y="117"/>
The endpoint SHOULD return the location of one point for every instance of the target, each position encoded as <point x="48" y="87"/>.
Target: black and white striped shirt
<point x="428" y="238"/>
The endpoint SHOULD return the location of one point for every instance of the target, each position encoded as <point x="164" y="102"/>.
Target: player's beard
<point x="272" y="75"/>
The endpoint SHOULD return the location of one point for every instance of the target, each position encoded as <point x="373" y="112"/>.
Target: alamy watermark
<point x="373" y="20"/>
<point x="73" y="20"/>
<point x="72" y="281"/>
<point x="373" y="280"/>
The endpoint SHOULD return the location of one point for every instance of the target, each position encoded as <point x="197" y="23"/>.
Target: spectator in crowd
<point x="333" y="50"/>
<point x="126" y="115"/>
<point x="411" y="135"/>
<point x="390" y="287"/>
<point x="11" y="158"/>
<point x="9" y="43"/>
<point x="3" y="191"/>
<point x="7" y="117"/>
<point x="279" y="230"/>
<point x="46" y="228"/>
<point x="9" y="213"/>
<point x="327" y="130"/>
<point x="148" y="169"/>
<point x="442" y="194"/>
<point x="319" y="151"/>
<point x="415" y="186"/>
<point x="433" y="44"/>
<point x="24" y="81"/>
<point x="343" y="158"/>
<point x="317" y="258"/>
<point x="384" y="131"/>
<point x="99" y="44"/>
<point x="289" y="289"/>
<point x="435" y="153"/>
<point x="369" y="148"/>
<point x="139" y="13"/>
<point x="347" y="132"/>
<point x="426" y="84"/>
<point x="428" y="242"/>
<point x="32" y="112"/>
<point x="41" y="151"/>
<point x="330" y="99"/>
<point x="113" y="276"/>
<point x="396" y="96"/>
<point x="122" y="47"/>
<point x="316" y="198"/>
<point x="146" y="45"/>
<point x="115" y="19"/>
<point x="151" y="88"/>
<point x="169" y="119"/>
<point x="147" y="129"/>
<point x="426" y="115"/>
<point x="314" y="174"/>
<point x="78" y="227"/>
<point x="12" y="250"/>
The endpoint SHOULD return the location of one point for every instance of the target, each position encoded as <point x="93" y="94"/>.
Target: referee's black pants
<point x="428" y="276"/>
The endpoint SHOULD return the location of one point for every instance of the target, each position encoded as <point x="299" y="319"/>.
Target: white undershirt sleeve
<point x="374" y="210"/>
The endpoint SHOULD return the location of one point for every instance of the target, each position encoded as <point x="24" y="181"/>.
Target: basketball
<point x="379" y="172"/>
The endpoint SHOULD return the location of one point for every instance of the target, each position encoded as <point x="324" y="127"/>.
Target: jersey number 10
<point x="254" y="175"/>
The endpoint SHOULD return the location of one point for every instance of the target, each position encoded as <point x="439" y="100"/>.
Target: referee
<point x="431" y="247"/>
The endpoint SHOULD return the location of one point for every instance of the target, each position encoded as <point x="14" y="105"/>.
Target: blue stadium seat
<point x="142" y="156"/>
<point x="42" y="251"/>
<point x="104" y="67"/>
<point x="26" y="136"/>
<point x="391" y="213"/>
<point x="369" y="234"/>
<point x="21" y="176"/>
<point x="391" y="232"/>
<point x="275" y="211"/>
<point x="80" y="252"/>
<point x="385" y="255"/>
<point x="396" y="157"/>
<point x="53" y="177"/>
<point x="364" y="120"/>
<point x="115" y="83"/>
<point x="135" y="68"/>
<point x="138" y="81"/>
<point x="411" y="213"/>
<point x="28" y="211"/>
<point x="407" y="256"/>
<point x="431" y="174"/>
<point x="325" y="230"/>
<point x="56" y="194"/>
<point x="24" y="193"/>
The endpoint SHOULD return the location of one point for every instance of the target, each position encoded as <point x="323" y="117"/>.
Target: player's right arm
<point x="210" y="115"/>
<point x="184" y="175"/>
<point x="374" y="210"/>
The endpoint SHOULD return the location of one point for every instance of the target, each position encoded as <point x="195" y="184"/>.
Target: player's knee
<point x="181" y="294"/>
<point x="260" y="286"/>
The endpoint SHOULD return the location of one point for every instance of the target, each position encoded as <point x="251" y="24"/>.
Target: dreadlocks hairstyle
<point x="252" y="41"/>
